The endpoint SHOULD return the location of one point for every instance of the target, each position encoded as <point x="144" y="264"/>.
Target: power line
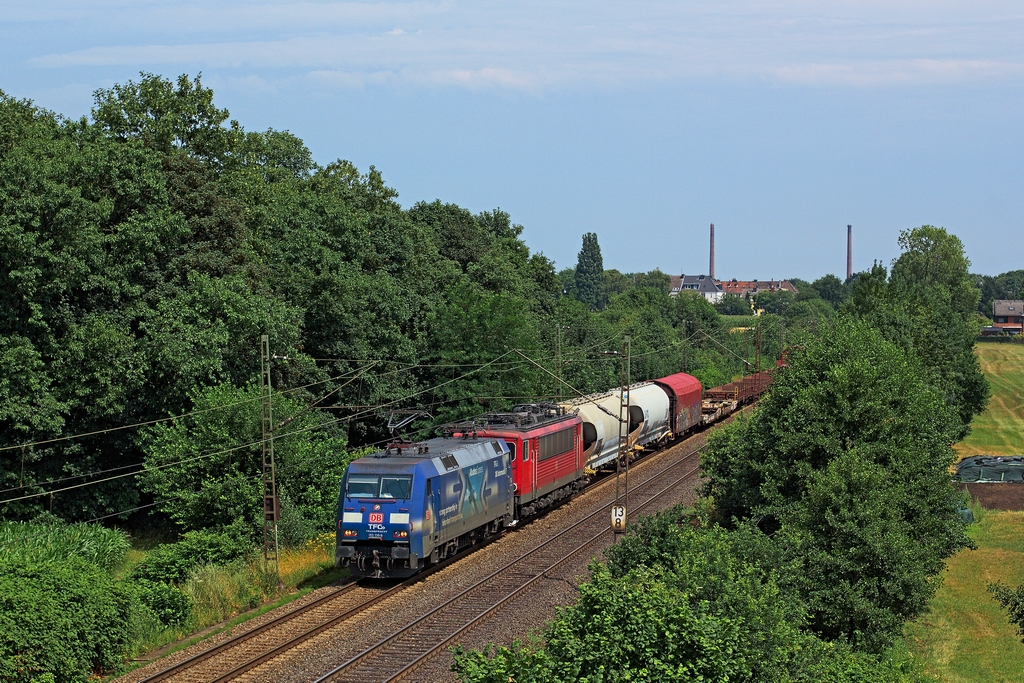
<point x="157" y="421"/>
<point x="130" y="474"/>
<point x="349" y="418"/>
<point x="246" y="445"/>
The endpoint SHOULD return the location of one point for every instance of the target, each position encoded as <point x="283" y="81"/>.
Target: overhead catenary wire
<point x="130" y="474"/>
<point x="349" y="418"/>
<point x="146" y="423"/>
<point x="251" y="443"/>
<point x="507" y="366"/>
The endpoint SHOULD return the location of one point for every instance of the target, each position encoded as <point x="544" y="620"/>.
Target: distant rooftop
<point x="701" y="284"/>
<point x="1010" y="307"/>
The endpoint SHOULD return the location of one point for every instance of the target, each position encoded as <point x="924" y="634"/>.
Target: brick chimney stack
<point x="711" y="268"/>
<point x="849" y="251"/>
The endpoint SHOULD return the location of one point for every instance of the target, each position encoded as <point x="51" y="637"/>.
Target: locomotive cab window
<point x="511" y="451"/>
<point x="376" y="486"/>
<point x="362" y="486"/>
<point x="526" y="451"/>
<point x="395" y="487"/>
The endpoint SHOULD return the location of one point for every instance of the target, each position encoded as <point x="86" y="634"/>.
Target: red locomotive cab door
<point x="517" y="468"/>
<point x="534" y="453"/>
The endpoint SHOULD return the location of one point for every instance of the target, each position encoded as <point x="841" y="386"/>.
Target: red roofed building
<point x="752" y="287"/>
<point x="1008" y="315"/>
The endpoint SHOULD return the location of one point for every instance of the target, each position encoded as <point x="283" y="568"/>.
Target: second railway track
<point x="400" y="653"/>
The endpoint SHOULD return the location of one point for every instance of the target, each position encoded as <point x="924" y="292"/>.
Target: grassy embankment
<point x="966" y="638"/>
<point x="225" y="596"/>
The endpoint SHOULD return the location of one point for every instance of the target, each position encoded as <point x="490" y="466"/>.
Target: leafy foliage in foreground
<point x="65" y="619"/>
<point x="678" y="602"/>
<point x="848" y="455"/>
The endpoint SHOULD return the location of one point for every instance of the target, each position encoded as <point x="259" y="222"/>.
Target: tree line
<point x="148" y="246"/>
<point x="827" y="514"/>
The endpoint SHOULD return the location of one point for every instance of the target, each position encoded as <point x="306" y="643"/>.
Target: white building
<point x="698" y="284"/>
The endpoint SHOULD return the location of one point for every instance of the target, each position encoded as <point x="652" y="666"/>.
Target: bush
<point x="68" y="619"/>
<point x="168" y="603"/>
<point x="1011" y="600"/>
<point x="172" y="563"/>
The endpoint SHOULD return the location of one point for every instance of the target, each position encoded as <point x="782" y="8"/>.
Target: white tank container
<point x="648" y="420"/>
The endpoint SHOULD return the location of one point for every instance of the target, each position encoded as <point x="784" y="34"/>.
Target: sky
<point x="644" y="122"/>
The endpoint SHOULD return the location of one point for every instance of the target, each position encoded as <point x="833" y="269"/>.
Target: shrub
<point x="1011" y="600"/>
<point x="68" y="619"/>
<point x="168" y="603"/>
<point x="172" y="563"/>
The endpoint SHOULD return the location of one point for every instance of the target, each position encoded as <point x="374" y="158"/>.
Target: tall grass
<point x="106" y="548"/>
<point x="220" y="592"/>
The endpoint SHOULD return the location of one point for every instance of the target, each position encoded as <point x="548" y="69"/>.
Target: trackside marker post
<point x="619" y="519"/>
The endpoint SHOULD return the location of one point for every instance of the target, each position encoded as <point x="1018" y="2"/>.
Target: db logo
<point x="376" y="517"/>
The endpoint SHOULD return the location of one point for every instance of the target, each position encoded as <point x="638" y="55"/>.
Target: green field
<point x="966" y="638"/>
<point x="1000" y="429"/>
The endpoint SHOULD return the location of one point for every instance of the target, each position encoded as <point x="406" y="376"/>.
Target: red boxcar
<point x="743" y="390"/>
<point x="546" y="450"/>
<point x="684" y="395"/>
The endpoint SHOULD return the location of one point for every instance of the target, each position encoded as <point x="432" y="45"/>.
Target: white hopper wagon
<point x="648" y="421"/>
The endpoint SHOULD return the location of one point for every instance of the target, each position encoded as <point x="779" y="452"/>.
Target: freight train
<point x="412" y="505"/>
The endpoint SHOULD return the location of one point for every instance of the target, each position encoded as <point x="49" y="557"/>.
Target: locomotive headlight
<point x="351" y="532"/>
<point x="401" y="534"/>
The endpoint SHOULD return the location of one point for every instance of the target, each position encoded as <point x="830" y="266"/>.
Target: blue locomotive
<point x="414" y="504"/>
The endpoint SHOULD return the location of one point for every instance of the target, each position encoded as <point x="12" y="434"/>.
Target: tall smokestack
<point x="849" y="251"/>
<point x="711" y="268"/>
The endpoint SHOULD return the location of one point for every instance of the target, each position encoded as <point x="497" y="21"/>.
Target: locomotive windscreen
<point x="376" y="486"/>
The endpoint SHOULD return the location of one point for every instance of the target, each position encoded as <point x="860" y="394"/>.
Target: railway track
<point x="234" y="657"/>
<point x="247" y="650"/>
<point x="400" y="653"/>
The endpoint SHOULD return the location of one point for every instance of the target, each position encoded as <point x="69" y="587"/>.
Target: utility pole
<point x="558" y="357"/>
<point x="619" y="509"/>
<point x="271" y="513"/>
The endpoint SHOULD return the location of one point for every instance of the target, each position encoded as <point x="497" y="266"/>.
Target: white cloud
<point x="548" y="45"/>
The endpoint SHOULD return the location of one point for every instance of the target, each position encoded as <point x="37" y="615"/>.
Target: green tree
<point x="207" y="469"/>
<point x="928" y="306"/>
<point x="655" y="279"/>
<point x="848" y="395"/>
<point x="614" y="283"/>
<point x="774" y="302"/>
<point x="590" y="272"/>
<point x="731" y="304"/>
<point x="831" y="289"/>
<point x="165" y="116"/>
